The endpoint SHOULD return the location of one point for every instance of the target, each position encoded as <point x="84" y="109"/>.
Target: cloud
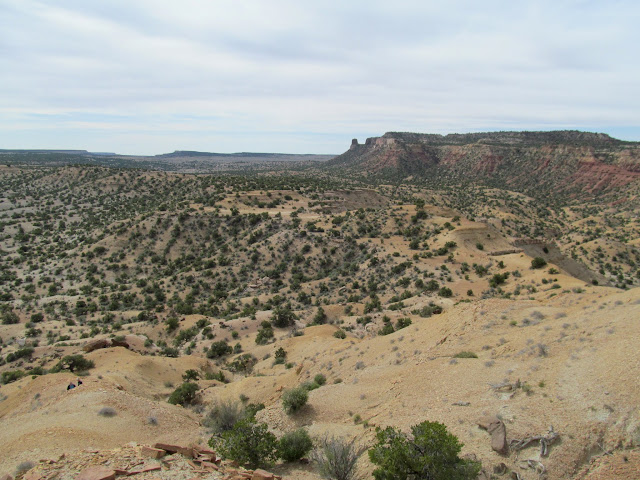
<point x="306" y="77"/>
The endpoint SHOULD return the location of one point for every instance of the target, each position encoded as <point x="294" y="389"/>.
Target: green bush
<point x="340" y="334"/>
<point x="9" y="317"/>
<point x="76" y="363"/>
<point x="294" y="399"/>
<point x="320" y="379"/>
<point x="320" y="317"/>
<point x="465" y="354"/>
<point x="538" y="262"/>
<point x="190" y="374"/>
<point x="430" y="452"/>
<point x="294" y="445"/>
<point x="24" y="352"/>
<point x="282" y="316"/>
<point x="445" y="292"/>
<point x="248" y="443"/>
<point x="264" y="335"/>
<point x="403" y="323"/>
<point x="185" y="394"/>
<point x="12" y="375"/>
<point x="219" y="349"/>
<point x="386" y="329"/>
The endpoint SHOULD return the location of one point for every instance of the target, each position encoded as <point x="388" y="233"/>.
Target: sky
<point x="153" y="76"/>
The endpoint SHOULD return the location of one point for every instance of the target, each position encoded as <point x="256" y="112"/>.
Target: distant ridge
<point x="539" y="163"/>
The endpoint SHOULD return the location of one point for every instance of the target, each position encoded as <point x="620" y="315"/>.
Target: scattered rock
<point x="97" y="473"/>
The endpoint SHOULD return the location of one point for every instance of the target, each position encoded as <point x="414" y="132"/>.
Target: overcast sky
<point x="153" y="76"/>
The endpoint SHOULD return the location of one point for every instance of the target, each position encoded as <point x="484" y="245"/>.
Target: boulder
<point x="97" y="473"/>
<point x="498" y="432"/>
<point x="260" y="474"/>
<point x="92" y="345"/>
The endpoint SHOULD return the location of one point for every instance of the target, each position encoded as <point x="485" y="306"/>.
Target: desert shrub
<point x="498" y="279"/>
<point x="280" y="355"/>
<point x="403" y="323"/>
<point x="294" y="399"/>
<point x="185" y="394"/>
<point x="190" y="374"/>
<point x="219" y="349"/>
<point x="465" y="354"/>
<point x="24" y="352"/>
<point x="107" y="412"/>
<point x="430" y="452"/>
<point x="340" y="334"/>
<point x="12" y="375"/>
<point x="308" y="386"/>
<point x="248" y="443"/>
<point x="243" y="363"/>
<point x="24" y="467"/>
<point x="37" y="317"/>
<point x="253" y="408"/>
<point x="320" y="379"/>
<point x="336" y="458"/>
<point x="538" y="262"/>
<point x="9" y="317"/>
<point x="264" y="335"/>
<point x="445" y="292"/>
<point x="219" y="376"/>
<point x="223" y="416"/>
<point x="386" y="329"/>
<point x="294" y="445"/>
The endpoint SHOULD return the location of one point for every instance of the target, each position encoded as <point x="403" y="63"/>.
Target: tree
<point x="248" y="443"/>
<point x="77" y="363"/>
<point x="185" y="394"/>
<point x="320" y="317"/>
<point x="429" y="453"/>
<point x="282" y="316"/>
<point x="219" y="349"/>
<point x="538" y="262"/>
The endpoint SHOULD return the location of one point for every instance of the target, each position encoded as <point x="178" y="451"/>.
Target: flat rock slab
<point x="151" y="452"/>
<point x="260" y="474"/>
<point x="185" y="451"/>
<point x="97" y="473"/>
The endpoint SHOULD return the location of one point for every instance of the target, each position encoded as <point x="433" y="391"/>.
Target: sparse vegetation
<point x="429" y="452"/>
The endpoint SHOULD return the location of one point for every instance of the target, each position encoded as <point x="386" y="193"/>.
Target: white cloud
<point x="307" y="76"/>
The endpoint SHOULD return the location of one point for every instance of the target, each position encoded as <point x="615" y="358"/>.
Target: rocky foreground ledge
<point x="141" y="462"/>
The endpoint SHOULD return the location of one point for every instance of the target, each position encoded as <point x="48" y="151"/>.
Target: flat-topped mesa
<point x="572" y="137"/>
<point x="537" y="163"/>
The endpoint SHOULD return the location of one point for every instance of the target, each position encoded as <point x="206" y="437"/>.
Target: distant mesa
<point x="568" y="161"/>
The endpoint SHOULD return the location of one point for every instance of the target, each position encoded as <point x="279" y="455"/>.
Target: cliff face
<point x="571" y="162"/>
